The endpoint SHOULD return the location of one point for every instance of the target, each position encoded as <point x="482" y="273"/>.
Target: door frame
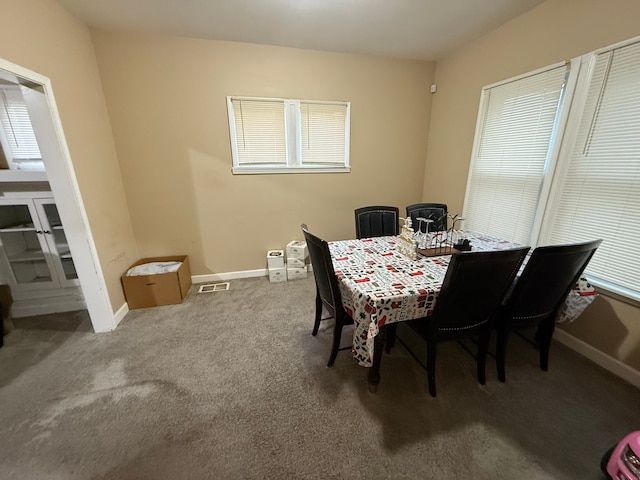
<point x="64" y="186"/>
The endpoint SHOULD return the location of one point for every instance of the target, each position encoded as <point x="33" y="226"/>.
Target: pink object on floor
<point x="624" y="463"/>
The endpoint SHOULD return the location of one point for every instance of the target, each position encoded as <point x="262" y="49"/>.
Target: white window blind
<point x="516" y="125"/>
<point x="275" y="135"/>
<point x="599" y="194"/>
<point x="323" y="133"/>
<point x="18" y="138"/>
<point x="260" y="132"/>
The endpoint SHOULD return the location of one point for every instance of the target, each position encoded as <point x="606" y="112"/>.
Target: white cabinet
<point x="34" y="250"/>
<point x="34" y="255"/>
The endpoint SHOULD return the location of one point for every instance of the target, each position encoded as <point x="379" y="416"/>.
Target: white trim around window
<point x="513" y="152"/>
<point x="277" y="135"/>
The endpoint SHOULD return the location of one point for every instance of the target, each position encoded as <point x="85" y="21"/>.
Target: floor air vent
<point x="213" y="287"/>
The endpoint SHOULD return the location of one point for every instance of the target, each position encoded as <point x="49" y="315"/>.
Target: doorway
<point x="60" y="174"/>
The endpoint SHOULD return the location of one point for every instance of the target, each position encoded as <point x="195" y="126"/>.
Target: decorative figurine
<point x="406" y="240"/>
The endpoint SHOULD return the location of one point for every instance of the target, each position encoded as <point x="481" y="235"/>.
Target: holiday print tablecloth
<point x="579" y="298"/>
<point x="380" y="286"/>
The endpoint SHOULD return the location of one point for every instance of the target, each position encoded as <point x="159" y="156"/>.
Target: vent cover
<point x="213" y="287"/>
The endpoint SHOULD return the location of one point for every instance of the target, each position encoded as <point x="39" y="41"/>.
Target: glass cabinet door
<point x="57" y="240"/>
<point x="24" y="245"/>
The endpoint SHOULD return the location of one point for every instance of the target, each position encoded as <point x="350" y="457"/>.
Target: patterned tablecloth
<point x="380" y="286"/>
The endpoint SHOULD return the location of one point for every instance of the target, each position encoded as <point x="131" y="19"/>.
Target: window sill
<point x="612" y="291"/>
<point x="271" y="170"/>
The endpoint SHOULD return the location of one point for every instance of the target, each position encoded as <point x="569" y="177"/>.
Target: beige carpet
<point x="231" y="385"/>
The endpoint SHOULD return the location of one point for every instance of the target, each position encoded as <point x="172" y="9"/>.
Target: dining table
<point x="381" y="286"/>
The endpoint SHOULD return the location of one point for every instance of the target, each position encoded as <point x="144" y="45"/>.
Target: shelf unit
<point x="35" y="253"/>
<point x="35" y="259"/>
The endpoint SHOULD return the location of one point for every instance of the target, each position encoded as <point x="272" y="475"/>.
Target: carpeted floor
<point x="231" y="385"/>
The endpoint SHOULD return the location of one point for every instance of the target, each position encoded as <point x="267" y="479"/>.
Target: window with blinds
<point x="16" y="132"/>
<point x="597" y="193"/>
<point x="288" y="136"/>
<point x="517" y="122"/>
<point x="259" y="132"/>
<point x="544" y="174"/>
<point x="323" y="133"/>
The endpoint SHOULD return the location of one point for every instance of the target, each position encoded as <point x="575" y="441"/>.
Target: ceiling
<point x="411" y="29"/>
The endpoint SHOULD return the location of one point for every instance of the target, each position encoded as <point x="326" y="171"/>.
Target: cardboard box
<point x="275" y="258"/>
<point x="144" y="291"/>
<point x="296" y="273"/>
<point x="277" y="275"/>
<point x="297" y="249"/>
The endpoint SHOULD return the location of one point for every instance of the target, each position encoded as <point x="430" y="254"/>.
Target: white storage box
<point x="297" y="249"/>
<point x="277" y="275"/>
<point x="296" y="273"/>
<point x="293" y="262"/>
<point x="275" y="259"/>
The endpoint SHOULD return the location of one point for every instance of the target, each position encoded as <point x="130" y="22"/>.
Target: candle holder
<point x="423" y="239"/>
<point x="447" y="242"/>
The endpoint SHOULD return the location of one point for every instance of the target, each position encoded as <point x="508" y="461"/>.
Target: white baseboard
<point x="45" y="306"/>
<point x="223" y="277"/>
<point x="120" y="313"/>
<point x="607" y="362"/>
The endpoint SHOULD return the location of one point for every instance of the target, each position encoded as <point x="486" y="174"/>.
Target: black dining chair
<point x="376" y="221"/>
<point x="431" y="211"/>
<point x="327" y="291"/>
<point x="538" y="294"/>
<point x="473" y="289"/>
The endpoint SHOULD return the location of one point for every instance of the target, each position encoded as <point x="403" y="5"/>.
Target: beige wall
<point x="40" y="36"/>
<point x="167" y="100"/>
<point x="552" y="32"/>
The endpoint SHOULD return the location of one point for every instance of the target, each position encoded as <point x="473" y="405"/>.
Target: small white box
<point x="275" y="259"/>
<point x="293" y="262"/>
<point x="277" y="275"/>
<point x="297" y="249"/>
<point x="296" y="272"/>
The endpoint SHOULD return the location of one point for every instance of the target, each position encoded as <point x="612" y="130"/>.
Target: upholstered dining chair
<point x="473" y="289"/>
<point x="327" y="291"/>
<point x="376" y="221"/>
<point x="538" y="294"/>
<point x="432" y="211"/>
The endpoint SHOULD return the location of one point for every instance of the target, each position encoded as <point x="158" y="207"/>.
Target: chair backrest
<point x="376" y="221"/>
<point x="433" y="211"/>
<point x="325" y="276"/>
<point x="546" y="280"/>
<point x="473" y="289"/>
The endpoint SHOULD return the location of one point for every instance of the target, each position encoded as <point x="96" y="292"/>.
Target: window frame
<point x="561" y="147"/>
<point x="293" y="140"/>
<point x="561" y="120"/>
<point x="14" y="160"/>
<point x="567" y="142"/>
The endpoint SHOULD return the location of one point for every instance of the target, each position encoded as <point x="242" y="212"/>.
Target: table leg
<point x="390" y="338"/>
<point x="373" y="376"/>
